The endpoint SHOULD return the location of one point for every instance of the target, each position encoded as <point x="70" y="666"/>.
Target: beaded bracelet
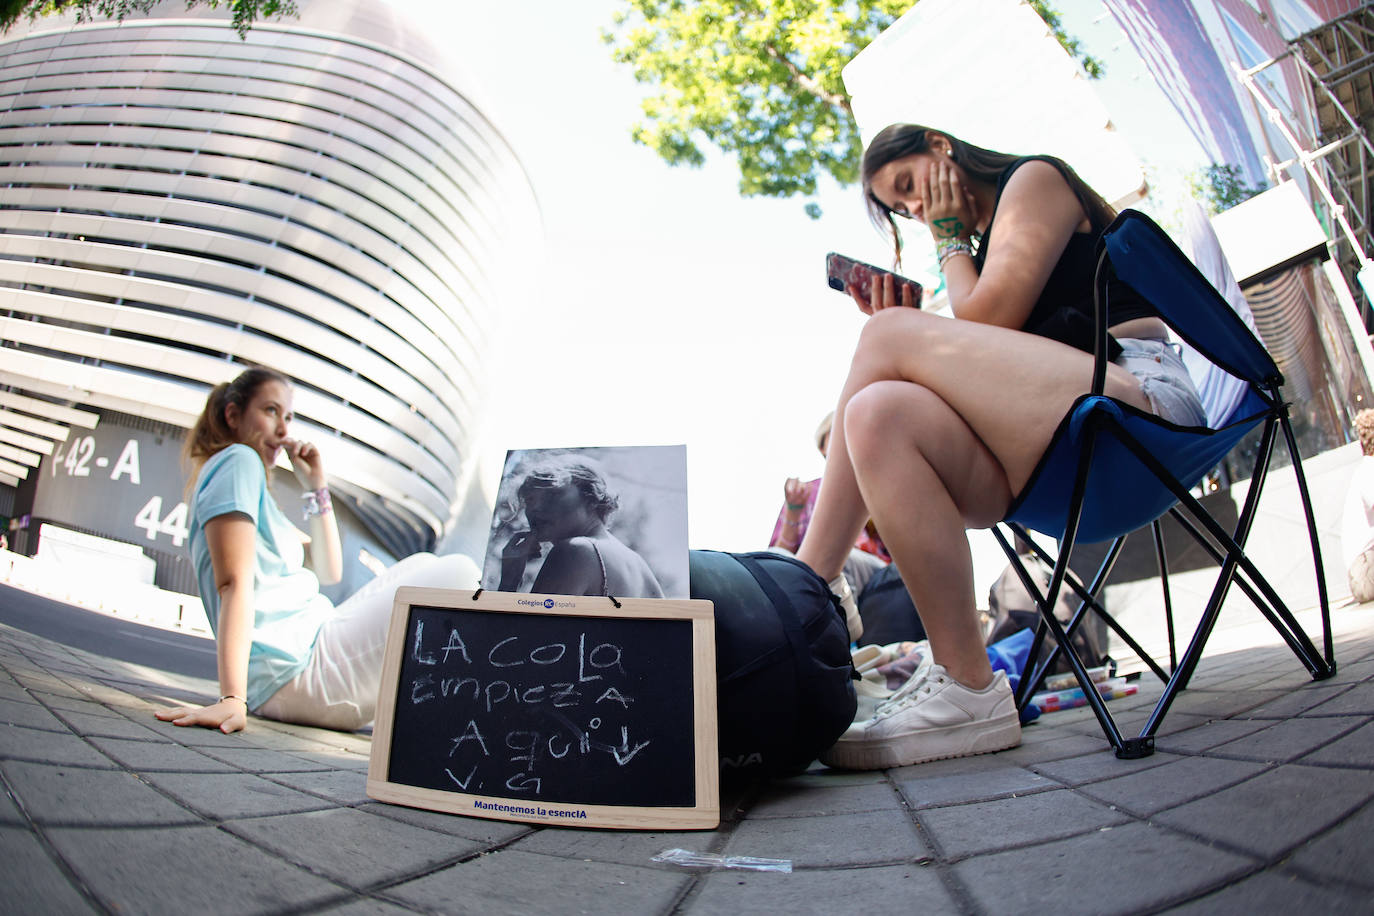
<point x="948" y="248"/>
<point x="317" y="502"/>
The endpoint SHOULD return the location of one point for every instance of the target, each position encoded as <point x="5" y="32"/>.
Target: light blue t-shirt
<point x="288" y="607"/>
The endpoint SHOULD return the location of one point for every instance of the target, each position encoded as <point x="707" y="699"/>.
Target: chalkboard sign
<point x="577" y="711"/>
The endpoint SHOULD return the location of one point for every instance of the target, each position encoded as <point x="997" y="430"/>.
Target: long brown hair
<point x="211" y="432"/>
<point x="899" y="140"/>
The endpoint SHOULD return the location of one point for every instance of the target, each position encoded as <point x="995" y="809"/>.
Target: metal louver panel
<point x="177" y="203"/>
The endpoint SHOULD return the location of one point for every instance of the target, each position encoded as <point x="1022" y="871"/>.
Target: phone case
<point x="841" y="270"/>
<point x="837" y="270"/>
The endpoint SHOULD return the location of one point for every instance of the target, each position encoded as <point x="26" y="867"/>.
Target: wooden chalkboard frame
<point x="704" y="814"/>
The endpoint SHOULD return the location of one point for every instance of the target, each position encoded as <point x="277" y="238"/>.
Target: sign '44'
<point x="173" y="524"/>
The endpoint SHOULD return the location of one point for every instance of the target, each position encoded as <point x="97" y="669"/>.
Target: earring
<point x="949" y="153"/>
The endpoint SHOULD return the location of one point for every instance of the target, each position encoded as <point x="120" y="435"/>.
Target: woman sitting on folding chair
<point x="941" y="422"/>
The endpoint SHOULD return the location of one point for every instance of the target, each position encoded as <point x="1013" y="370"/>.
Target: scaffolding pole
<point x="1338" y="60"/>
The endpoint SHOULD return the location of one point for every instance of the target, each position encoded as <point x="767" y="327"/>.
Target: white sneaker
<point x="930" y="717"/>
<point x="839" y="587"/>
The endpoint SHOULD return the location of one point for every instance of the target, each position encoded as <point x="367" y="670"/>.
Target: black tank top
<point x="1064" y="310"/>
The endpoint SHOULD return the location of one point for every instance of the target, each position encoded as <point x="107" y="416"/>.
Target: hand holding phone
<point x="844" y="273"/>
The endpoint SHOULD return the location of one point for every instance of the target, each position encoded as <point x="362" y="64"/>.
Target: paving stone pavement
<point x="1258" y="800"/>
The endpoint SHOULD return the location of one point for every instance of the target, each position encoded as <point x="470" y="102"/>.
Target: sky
<point x="664" y="308"/>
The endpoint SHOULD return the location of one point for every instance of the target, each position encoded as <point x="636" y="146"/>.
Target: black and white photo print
<point x="591" y="521"/>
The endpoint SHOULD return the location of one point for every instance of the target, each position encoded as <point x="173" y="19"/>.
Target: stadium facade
<point x="319" y="196"/>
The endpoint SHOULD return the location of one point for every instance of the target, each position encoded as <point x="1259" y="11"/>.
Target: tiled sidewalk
<point x="1258" y="800"/>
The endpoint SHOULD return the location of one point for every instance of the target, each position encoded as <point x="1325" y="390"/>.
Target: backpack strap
<point x="787" y="614"/>
<point x="791" y="620"/>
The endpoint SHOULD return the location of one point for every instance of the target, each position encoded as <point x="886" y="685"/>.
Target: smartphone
<point x="841" y="270"/>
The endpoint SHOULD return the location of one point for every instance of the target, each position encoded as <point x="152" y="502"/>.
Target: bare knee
<point x="891" y="425"/>
<point x="893" y="333"/>
<point x="878" y="417"/>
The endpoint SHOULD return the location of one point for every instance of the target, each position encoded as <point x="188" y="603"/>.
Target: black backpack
<point x="887" y="610"/>
<point x="784" y="687"/>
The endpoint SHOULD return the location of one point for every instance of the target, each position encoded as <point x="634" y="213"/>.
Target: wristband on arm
<point x="317" y="502"/>
<point x="948" y="248"/>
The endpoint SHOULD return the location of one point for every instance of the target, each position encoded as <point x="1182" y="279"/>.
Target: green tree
<point x="245" y="12"/>
<point x="1091" y="65"/>
<point x="1221" y="187"/>
<point x="760" y="80"/>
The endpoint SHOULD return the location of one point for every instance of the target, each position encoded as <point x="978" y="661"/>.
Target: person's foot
<point x="839" y="587"/>
<point x="930" y="717"/>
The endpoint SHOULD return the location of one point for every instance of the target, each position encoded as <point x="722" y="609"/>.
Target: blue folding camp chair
<point x="1112" y="469"/>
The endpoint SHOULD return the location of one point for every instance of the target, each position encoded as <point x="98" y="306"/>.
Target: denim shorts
<point x="1163" y="380"/>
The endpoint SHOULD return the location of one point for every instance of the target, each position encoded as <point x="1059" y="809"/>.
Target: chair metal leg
<point x="1233" y="546"/>
<point x="1280" y="617"/>
<point x="1088" y="596"/>
<point x="1184" y="671"/>
<point x="1032" y="673"/>
<point x="1037" y="668"/>
<point x="1242" y="535"/>
<point x="1024" y="687"/>
<point x="1234" y="558"/>
<point x="1316" y="549"/>
<point x="1124" y="747"/>
<point x="1226" y="548"/>
<point x="1130" y="641"/>
<point x="1168" y="601"/>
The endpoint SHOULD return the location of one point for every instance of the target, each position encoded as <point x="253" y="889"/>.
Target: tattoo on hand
<point x="949" y="227"/>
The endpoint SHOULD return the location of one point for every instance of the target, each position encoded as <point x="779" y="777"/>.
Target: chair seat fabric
<point x="1122" y="494"/>
<point x="1149" y="262"/>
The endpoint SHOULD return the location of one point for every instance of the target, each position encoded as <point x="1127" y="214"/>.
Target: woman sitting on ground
<point x="284" y="651"/>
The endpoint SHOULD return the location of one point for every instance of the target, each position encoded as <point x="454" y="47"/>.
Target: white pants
<point x="1362" y="577"/>
<point x="338" y="688"/>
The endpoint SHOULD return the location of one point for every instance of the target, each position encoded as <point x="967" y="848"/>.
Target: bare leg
<point x="949" y="419"/>
<point x="928" y="478"/>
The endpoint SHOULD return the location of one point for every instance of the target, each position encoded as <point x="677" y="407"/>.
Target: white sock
<point x="839" y="587"/>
